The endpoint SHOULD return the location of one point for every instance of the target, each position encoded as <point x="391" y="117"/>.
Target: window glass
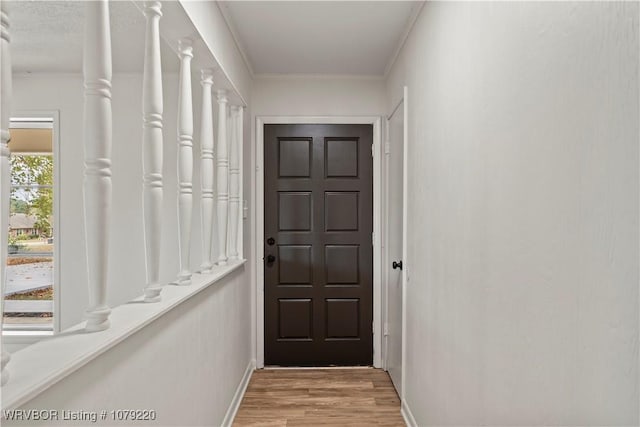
<point x="30" y="267"/>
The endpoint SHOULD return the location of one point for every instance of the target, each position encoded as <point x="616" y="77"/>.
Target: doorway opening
<point x="319" y="251"/>
<point x="317" y="256"/>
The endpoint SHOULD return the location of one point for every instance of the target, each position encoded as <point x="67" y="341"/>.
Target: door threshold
<point x="275" y="367"/>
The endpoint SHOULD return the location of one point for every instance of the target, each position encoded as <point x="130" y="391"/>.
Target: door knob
<point x="271" y="241"/>
<point x="270" y="259"/>
<point x="397" y="265"/>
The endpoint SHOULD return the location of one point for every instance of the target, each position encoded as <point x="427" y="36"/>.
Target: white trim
<point x="258" y="242"/>
<point x="314" y="368"/>
<point x="385" y="252"/>
<point x="27" y="336"/>
<point x="407" y="414"/>
<point x="34" y="115"/>
<point x="239" y="394"/>
<point x="377" y="244"/>
<point x="57" y="253"/>
<point x="69" y="351"/>
<point x="314" y="76"/>
<point x="405" y="235"/>
<point x="30" y="123"/>
<point x="350" y="120"/>
<point x="377" y="221"/>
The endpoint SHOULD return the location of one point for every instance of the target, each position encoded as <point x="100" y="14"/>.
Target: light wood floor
<point x="327" y="397"/>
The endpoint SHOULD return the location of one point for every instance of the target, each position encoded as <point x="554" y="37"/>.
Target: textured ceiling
<point x="47" y="36"/>
<point x="318" y="37"/>
<point x="290" y="37"/>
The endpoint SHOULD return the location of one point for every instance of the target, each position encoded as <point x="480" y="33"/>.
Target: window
<point x="30" y="287"/>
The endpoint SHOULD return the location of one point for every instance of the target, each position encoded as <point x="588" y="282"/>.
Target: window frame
<point x="25" y="335"/>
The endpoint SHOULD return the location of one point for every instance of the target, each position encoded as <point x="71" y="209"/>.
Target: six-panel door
<point x="318" y="245"/>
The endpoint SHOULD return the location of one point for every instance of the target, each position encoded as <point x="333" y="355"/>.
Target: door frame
<point x="378" y="212"/>
<point x="402" y="103"/>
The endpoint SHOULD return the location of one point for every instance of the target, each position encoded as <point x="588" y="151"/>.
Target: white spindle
<point x="5" y="116"/>
<point x="234" y="182"/>
<point x="97" y="158"/>
<point x="206" y="169"/>
<point x="240" y="135"/>
<point x="223" y="166"/>
<point x="152" y="149"/>
<point x="185" y="160"/>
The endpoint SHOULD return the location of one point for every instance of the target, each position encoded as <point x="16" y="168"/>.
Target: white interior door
<point x="395" y="240"/>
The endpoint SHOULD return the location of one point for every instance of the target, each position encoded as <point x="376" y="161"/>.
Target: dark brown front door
<point x="318" y="245"/>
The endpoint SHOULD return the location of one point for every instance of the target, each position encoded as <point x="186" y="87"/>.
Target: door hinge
<point x="373" y="150"/>
<point x="373" y="328"/>
<point x="387" y="147"/>
<point x="386" y="329"/>
<point x="373" y="238"/>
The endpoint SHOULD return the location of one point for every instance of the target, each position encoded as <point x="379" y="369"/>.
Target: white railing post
<point x="185" y="161"/>
<point x="5" y="175"/>
<point x="234" y="182"/>
<point x="152" y="109"/>
<point x="97" y="158"/>
<point x="223" y="166"/>
<point x="206" y="169"/>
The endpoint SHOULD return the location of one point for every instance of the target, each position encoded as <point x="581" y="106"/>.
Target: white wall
<point x="318" y="96"/>
<point x="522" y="307"/>
<point x="186" y="365"/>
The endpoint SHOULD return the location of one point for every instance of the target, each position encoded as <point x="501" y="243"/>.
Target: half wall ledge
<point x="39" y="366"/>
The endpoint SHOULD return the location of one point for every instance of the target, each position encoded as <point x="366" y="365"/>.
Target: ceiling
<point x="275" y="37"/>
<point x="320" y="37"/>
<point x="48" y="36"/>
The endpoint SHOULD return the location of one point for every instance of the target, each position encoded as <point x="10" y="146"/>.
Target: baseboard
<point x="237" y="397"/>
<point x="407" y="415"/>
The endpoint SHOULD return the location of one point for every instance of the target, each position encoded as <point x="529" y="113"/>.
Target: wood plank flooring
<point x="323" y="397"/>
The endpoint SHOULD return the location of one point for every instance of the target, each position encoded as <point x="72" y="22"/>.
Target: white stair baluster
<point x="152" y="109"/>
<point x="206" y="170"/>
<point x="185" y="161"/>
<point x="234" y="182"/>
<point x="241" y="213"/>
<point x="97" y="158"/>
<point x="222" y="184"/>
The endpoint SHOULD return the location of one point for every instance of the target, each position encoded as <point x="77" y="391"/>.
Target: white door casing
<point x="395" y="229"/>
